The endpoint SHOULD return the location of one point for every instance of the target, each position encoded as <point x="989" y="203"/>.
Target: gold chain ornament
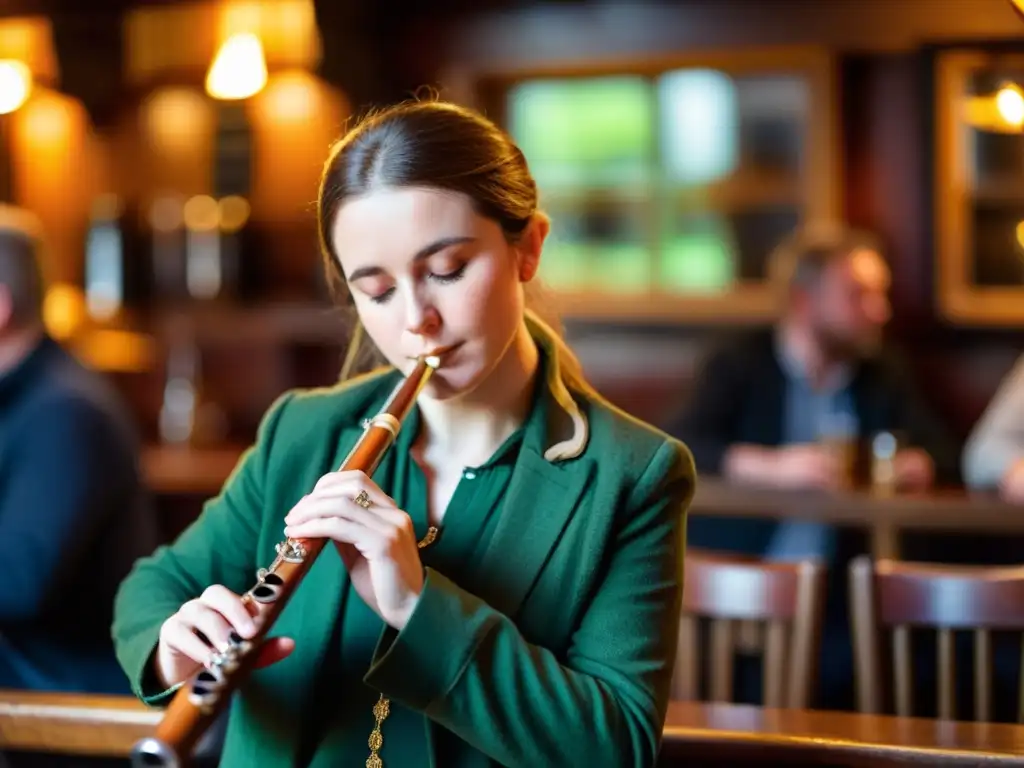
<point x="382" y="708"/>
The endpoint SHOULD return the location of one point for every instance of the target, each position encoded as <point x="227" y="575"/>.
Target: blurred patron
<point x="74" y="514"/>
<point x="994" y="454"/>
<point x="789" y="407"/>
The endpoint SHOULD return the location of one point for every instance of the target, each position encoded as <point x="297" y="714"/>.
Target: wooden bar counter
<point x="703" y="734"/>
<point x="103" y="726"/>
<point x="696" y="734"/>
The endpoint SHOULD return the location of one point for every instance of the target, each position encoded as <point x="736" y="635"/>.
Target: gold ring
<point x="363" y="500"/>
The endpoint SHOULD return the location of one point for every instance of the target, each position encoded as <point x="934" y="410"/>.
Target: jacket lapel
<point x="542" y="497"/>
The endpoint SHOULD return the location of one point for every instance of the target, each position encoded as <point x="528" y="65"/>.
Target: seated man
<point x="74" y="514"/>
<point x="763" y="407"/>
<point x="994" y="454"/>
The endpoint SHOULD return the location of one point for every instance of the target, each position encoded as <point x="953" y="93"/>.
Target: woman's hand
<point x="204" y="626"/>
<point x="376" y="541"/>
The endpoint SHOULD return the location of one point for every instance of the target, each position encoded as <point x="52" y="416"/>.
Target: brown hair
<point x="429" y="143"/>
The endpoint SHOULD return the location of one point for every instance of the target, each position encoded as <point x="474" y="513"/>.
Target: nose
<point x="422" y="318"/>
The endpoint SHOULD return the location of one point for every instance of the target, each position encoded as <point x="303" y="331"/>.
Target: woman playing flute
<point x="509" y="581"/>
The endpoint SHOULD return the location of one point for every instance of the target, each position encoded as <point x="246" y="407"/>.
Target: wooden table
<point x="695" y="734"/>
<point x="883" y="516"/>
<point x="703" y="734"/>
<point x="174" y="471"/>
<point x="170" y="470"/>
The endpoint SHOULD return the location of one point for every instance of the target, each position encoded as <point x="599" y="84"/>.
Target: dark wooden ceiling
<point x="76" y="7"/>
<point x="402" y="9"/>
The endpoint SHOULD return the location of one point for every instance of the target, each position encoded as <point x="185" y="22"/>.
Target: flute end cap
<point x="433" y="361"/>
<point x="152" y="752"/>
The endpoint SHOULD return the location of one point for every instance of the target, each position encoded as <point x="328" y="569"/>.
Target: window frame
<point x="959" y="300"/>
<point x="749" y="302"/>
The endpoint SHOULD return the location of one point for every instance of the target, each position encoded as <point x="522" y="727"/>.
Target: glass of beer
<point x="884" y="447"/>
<point x="838" y="433"/>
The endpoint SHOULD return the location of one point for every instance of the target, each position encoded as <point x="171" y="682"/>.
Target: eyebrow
<point x="423" y="253"/>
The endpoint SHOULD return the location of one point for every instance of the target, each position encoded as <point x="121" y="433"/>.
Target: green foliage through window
<point x="650" y="181"/>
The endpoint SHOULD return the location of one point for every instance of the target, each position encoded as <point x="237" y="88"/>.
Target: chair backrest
<point x="894" y="597"/>
<point x="738" y="597"/>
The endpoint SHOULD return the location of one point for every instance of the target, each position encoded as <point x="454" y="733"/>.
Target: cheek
<point x="383" y="327"/>
<point x="487" y="300"/>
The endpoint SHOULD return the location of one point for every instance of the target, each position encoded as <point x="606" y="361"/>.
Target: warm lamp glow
<point x="999" y="112"/>
<point x="291" y="97"/>
<point x="234" y="212"/>
<point x="175" y="120"/>
<point x="15" y="85"/>
<point x="201" y="213"/>
<point x="63" y="310"/>
<point x="239" y="69"/>
<point x="1010" y="103"/>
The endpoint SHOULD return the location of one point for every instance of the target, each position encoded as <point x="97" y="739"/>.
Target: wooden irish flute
<point x="202" y="698"/>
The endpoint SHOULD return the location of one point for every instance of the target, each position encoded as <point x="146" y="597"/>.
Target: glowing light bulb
<point x="15" y="85"/>
<point x="239" y="69"/>
<point x="1010" y="103"/>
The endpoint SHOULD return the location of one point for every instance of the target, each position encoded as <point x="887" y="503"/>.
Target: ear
<point x="530" y="245"/>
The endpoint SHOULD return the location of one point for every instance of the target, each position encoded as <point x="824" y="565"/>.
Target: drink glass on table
<point x="837" y="432"/>
<point x="884" y="447"/>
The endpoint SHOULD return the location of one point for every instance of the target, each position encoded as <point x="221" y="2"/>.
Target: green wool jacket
<point x="560" y="654"/>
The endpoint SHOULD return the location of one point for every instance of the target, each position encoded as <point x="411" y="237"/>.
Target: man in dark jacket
<point x="74" y="514"/>
<point x="766" y="406"/>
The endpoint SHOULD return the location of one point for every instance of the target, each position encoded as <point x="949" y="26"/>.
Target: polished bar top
<point x="694" y="731"/>
<point x="72" y="723"/>
<point x="760" y="736"/>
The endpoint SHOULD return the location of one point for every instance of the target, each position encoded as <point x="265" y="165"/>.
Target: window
<point x="674" y="186"/>
<point x="979" y="222"/>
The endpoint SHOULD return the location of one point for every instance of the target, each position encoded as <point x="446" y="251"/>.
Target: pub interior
<point x="859" y="603"/>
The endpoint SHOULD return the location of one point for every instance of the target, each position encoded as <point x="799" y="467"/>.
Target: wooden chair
<point x="891" y="596"/>
<point x="734" y="593"/>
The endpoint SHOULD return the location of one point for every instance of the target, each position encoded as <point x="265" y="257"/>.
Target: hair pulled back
<point x="430" y="144"/>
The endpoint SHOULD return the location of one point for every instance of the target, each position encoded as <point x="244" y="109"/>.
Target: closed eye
<point x="444" y="278"/>
<point x="449" y="277"/>
<point x="381" y="298"/>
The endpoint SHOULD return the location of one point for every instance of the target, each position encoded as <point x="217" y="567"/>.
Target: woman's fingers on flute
<point x="199" y="629"/>
<point x="338" y="499"/>
<point x="231" y="608"/>
<point x="275" y="649"/>
<point x="348" y="484"/>
<point x="178" y="637"/>
<point x="211" y="626"/>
